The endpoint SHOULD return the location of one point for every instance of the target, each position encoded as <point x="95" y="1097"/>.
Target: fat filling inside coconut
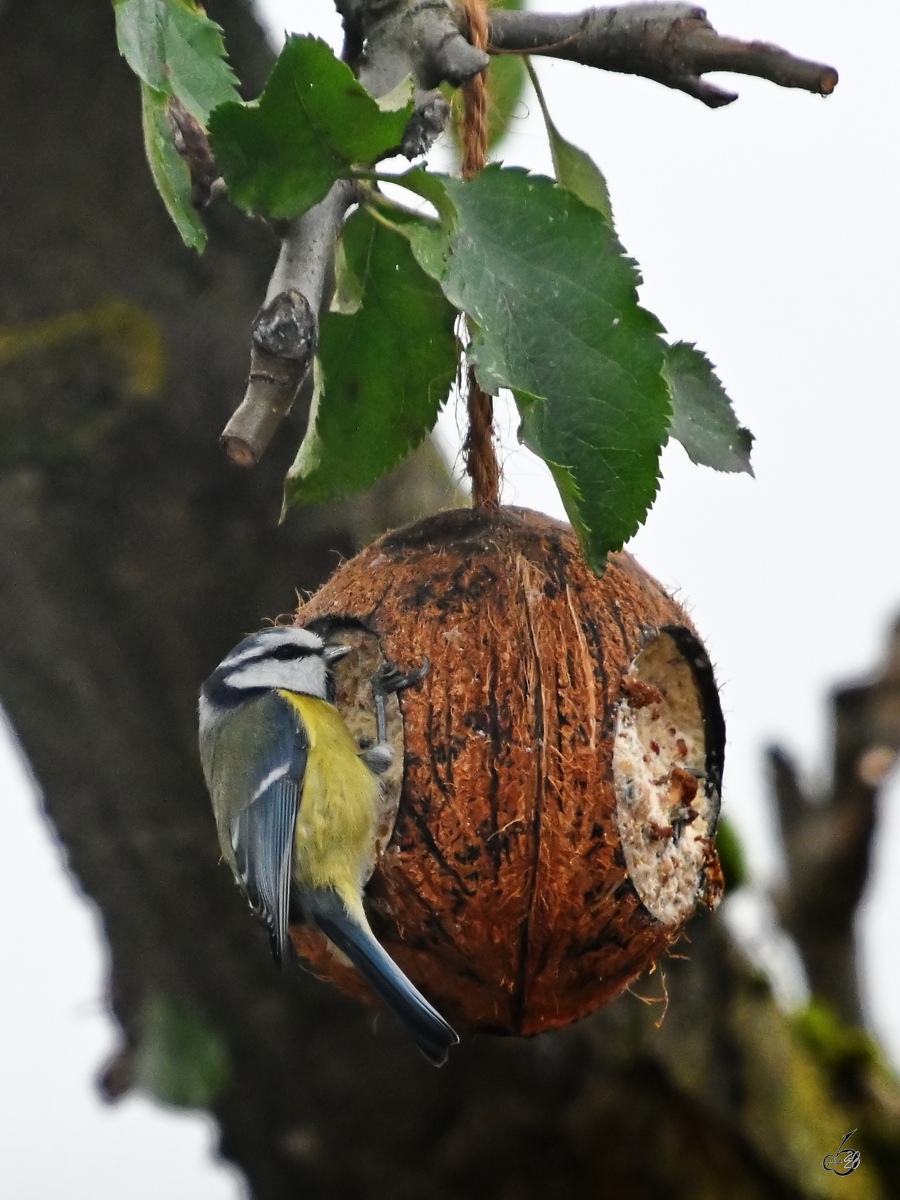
<point x="664" y="810"/>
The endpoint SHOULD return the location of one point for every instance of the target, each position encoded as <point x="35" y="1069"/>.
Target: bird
<point x="294" y="799"/>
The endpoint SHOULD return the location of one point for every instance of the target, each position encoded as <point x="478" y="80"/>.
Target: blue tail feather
<point x="432" y="1034"/>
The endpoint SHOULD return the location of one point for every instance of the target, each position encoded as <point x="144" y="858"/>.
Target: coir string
<point x="478" y="448"/>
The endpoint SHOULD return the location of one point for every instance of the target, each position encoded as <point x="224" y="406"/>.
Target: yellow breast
<point x="335" y="833"/>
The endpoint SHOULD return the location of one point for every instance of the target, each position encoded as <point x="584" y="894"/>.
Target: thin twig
<point x="673" y="44"/>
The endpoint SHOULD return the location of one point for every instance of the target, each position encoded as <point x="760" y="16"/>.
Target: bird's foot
<point x="389" y="678"/>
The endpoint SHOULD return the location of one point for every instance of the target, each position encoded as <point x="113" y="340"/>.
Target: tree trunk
<point x="131" y="556"/>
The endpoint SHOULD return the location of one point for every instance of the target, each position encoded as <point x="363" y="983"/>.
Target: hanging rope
<point x="475" y="130"/>
<point x="478" y="448"/>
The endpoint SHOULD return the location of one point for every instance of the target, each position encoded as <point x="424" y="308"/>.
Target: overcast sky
<point x="767" y="233"/>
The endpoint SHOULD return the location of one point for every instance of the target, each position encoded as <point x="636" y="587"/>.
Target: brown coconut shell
<point x="507" y="889"/>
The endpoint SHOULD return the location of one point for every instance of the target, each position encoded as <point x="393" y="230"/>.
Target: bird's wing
<point x="262" y="830"/>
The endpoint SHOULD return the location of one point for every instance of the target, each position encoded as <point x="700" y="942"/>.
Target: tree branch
<point x="285" y="330"/>
<point x="385" y="43"/>
<point x="388" y="40"/>
<point x="421" y="38"/>
<point x="828" y="838"/>
<point x="673" y="44"/>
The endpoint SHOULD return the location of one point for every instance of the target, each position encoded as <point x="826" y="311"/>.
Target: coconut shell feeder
<point x="549" y="824"/>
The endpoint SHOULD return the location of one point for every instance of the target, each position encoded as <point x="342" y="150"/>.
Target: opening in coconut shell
<point x="552" y="826"/>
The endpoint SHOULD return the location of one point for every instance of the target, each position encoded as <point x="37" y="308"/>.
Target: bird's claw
<point x="389" y="678"/>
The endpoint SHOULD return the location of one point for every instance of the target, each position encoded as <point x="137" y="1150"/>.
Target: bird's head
<point x="283" y="657"/>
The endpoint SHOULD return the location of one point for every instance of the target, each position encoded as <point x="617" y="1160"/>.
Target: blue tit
<point x="295" y="804"/>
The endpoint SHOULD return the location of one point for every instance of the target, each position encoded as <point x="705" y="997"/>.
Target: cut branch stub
<point x="284" y="341"/>
<point x="285" y="330"/>
<point x="285" y="327"/>
<point x="561" y="772"/>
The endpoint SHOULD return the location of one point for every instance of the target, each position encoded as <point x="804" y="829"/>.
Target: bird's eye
<point x="289" y="651"/>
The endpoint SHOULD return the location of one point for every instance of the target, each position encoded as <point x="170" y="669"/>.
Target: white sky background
<point x="766" y="232"/>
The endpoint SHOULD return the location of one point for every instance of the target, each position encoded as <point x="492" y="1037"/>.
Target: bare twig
<point x="673" y="44"/>
<point x="828" y="838"/>
<point x="285" y="330"/>
<point x="284" y="342"/>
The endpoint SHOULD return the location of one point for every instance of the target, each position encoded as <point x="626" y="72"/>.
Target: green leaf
<point x="505" y="84"/>
<point x="731" y="855"/>
<point x="348" y="288"/>
<point x="398" y="97"/>
<point x="574" y="170"/>
<point x="313" y="122"/>
<point x="554" y="300"/>
<point x="702" y="417"/>
<point x="386" y="368"/>
<point x="427" y="236"/>
<point x="174" y="47"/>
<point x="180" y="1059"/>
<point x="170" y="171"/>
<point x="505" y="87"/>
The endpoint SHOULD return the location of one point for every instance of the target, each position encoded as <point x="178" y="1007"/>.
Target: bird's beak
<point x="335" y="652"/>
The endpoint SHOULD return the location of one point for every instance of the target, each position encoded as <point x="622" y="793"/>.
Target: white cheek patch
<point x="304" y="675"/>
<point x="259" y="674"/>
